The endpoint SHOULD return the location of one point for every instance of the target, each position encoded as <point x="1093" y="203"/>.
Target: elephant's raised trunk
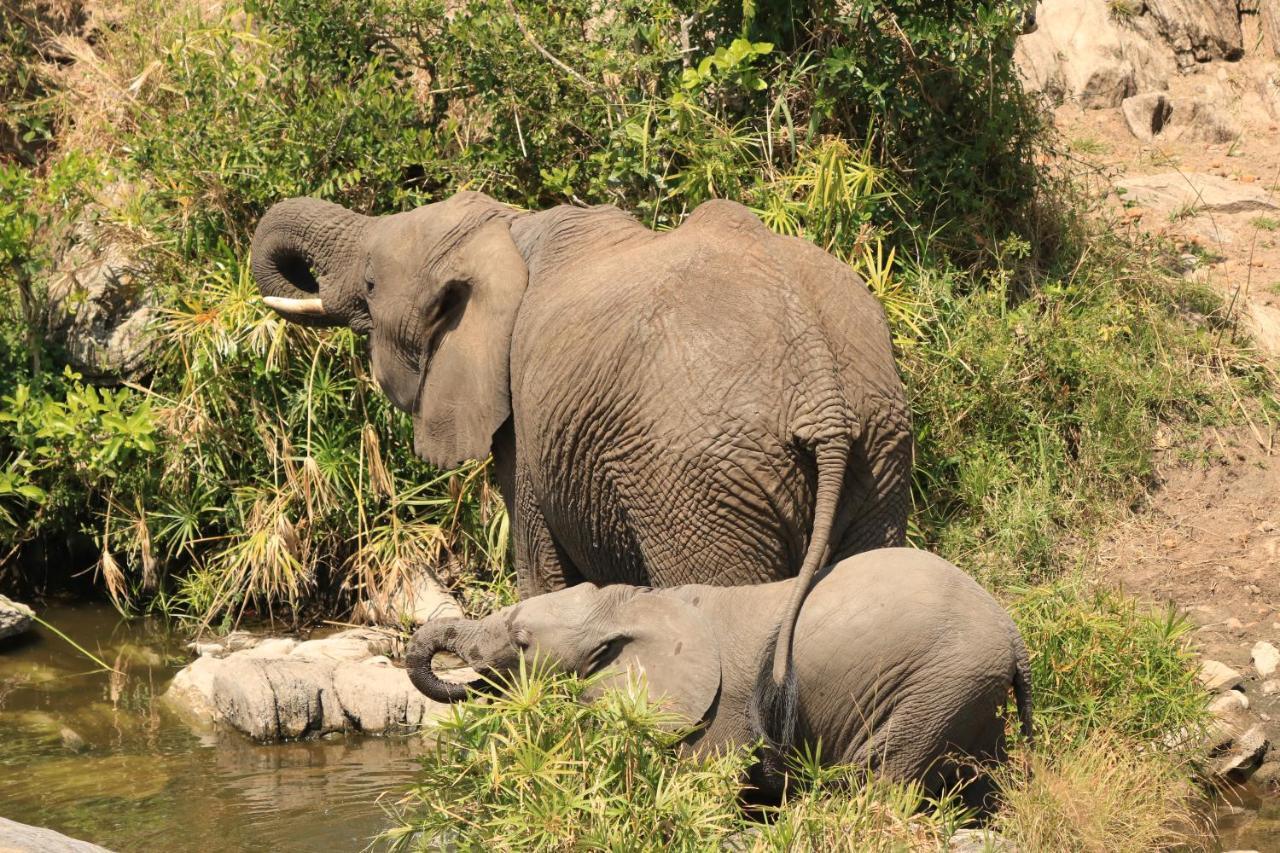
<point x="440" y="636"/>
<point x="306" y="262"/>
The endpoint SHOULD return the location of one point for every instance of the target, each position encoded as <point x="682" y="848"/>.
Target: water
<point x="98" y="756"/>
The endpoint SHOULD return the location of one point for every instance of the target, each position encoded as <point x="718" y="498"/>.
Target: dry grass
<point x="1106" y="794"/>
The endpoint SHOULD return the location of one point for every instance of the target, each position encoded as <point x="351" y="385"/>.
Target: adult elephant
<point x="713" y="404"/>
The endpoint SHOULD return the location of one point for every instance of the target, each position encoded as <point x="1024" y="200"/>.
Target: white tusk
<point x="297" y="307"/>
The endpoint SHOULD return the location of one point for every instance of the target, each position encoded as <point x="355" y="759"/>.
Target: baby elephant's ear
<point x="673" y="646"/>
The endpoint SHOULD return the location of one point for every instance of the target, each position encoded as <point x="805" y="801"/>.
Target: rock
<point x="16" y="836"/>
<point x="1217" y="676"/>
<point x="373" y="697"/>
<point x="1175" y="191"/>
<point x="1146" y="114"/>
<point x="1202" y="120"/>
<point x="1270" y="687"/>
<point x="71" y="739"/>
<point x="1228" y="704"/>
<point x="276" y="690"/>
<point x="98" y="309"/>
<point x="1269" y="18"/>
<point x="1198" y="30"/>
<point x="223" y="646"/>
<point x="191" y="690"/>
<point x="275" y="699"/>
<point x="1079" y="52"/>
<point x="271" y="647"/>
<point x="1265" y="658"/>
<point x="978" y="841"/>
<point x="1268" y="773"/>
<point x="15" y="618"/>
<point x="1243" y="756"/>
<point x="418" y="600"/>
<point x="1156" y="114"/>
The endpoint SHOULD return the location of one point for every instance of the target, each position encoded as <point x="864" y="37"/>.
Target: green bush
<point x="1102" y="663"/>
<point x="538" y="769"/>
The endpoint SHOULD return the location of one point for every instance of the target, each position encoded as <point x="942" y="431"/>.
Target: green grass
<point x="1088" y="145"/>
<point x="1265" y="223"/>
<point x="538" y="769"/>
<point x="1101" y="662"/>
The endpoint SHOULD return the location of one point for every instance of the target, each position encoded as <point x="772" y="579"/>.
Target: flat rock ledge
<point x="15" y="618"/>
<point x="279" y="688"/>
<point x="18" y="836"/>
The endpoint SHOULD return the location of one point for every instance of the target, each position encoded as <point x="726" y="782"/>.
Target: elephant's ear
<point x="466" y="392"/>
<point x="673" y="646"/>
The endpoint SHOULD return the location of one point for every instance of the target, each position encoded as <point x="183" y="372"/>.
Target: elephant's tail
<point x="1022" y="685"/>
<point x="775" y="706"/>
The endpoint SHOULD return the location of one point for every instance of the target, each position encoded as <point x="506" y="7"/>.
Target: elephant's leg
<point x="541" y="564"/>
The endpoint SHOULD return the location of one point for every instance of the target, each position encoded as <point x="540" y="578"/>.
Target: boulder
<point x="1175" y="191"/>
<point x="979" y="841"/>
<point x="1242" y="756"/>
<point x="1216" y="676"/>
<point x="1147" y="114"/>
<point x="373" y="697"/>
<point x="1079" y="52"/>
<point x="279" y="689"/>
<point x="1198" y="30"/>
<point x="98" y="308"/>
<point x="276" y="699"/>
<point x="1269" y="91"/>
<point x="1229" y="704"/>
<point x="1265" y="658"/>
<point x="1156" y="114"/>
<point x="15" y="617"/>
<point x="16" y="837"/>
<point x="1268" y="774"/>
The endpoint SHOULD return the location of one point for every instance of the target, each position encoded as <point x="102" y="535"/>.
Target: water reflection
<point x="97" y="756"/>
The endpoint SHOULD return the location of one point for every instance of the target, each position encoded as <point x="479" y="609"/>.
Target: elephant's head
<point x="584" y="629"/>
<point x="436" y="289"/>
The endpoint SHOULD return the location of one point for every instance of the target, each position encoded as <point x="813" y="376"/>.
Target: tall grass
<point x="539" y="769"/>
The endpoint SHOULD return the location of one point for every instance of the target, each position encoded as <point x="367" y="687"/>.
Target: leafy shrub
<point x="538" y="769"/>
<point x="1101" y="663"/>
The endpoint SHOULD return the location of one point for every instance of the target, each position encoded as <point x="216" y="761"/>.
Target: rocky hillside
<point x="1175" y="107"/>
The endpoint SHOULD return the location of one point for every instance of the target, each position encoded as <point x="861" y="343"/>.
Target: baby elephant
<point x="903" y="663"/>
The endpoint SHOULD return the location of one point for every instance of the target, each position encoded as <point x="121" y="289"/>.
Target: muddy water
<point x="98" y="756"/>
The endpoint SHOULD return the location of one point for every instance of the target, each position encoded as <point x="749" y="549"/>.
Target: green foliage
<point x="1101" y="663"/>
<point x="1036" y="408"/>
<point x="539" y="769"/>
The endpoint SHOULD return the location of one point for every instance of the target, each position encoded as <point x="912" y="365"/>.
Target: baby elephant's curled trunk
<point x="427" y="641"/>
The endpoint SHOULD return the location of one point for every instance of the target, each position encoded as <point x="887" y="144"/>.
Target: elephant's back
<point x="902" y="643"/>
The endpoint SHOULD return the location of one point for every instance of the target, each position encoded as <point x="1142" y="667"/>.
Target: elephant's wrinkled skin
<point x="713" y="404"/>
<point x="900" y="658"/>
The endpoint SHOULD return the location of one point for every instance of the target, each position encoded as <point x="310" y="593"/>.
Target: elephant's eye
<point x="368" y="286"/>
